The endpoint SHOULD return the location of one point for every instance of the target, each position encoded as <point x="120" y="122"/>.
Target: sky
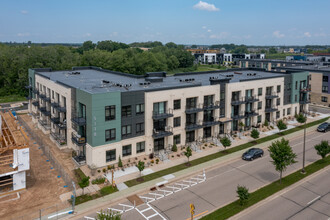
<point x="253" y="22"/>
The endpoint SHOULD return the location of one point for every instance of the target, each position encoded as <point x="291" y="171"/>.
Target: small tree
<point x="140" y="166"/>
<point x="255" y="133"/>
<point x="300" y="118"/>
<point x="282" y="155"/>
<point x="108" y="215"/>
<point x="84" y="183"/>
<point x="281" y="125"/>
<point x="323" y="149"/>
<point x="174" y="148"/>
<point x="243" y="194"/>
<point x="241" y="125"/>
<point x="120" y="163"/>
<point x="225" y="142"/>
<point x="188" y="153"/>
<point x="266" y="123"/>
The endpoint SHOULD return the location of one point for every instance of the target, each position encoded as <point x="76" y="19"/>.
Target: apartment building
<point x="223" y="58"/>
<point x="271" y="64"/>
<point x="103" y="114"/>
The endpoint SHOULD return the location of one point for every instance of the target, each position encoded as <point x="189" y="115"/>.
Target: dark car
<point x="252" y="153"/>
<point x="324" y="127"/>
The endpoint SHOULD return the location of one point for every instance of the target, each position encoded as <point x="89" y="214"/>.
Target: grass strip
<point x="266" y="191"/>
<point x="198" y="161"/>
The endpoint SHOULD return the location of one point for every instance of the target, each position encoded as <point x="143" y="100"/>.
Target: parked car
<point x="324" y="127"/>
<point x="252" y="153"/>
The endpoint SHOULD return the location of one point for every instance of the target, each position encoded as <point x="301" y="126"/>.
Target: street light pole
<point x="303" y="169"/>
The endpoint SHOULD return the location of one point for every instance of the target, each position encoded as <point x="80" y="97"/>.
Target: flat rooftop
<point x="280" y="61"/>
<point x="96" y="80"/>
<point x="307" y="68"/>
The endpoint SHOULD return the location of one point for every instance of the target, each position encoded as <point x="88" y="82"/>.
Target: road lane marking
<point x="198" y="214"/>
<point x="310" y="202"/>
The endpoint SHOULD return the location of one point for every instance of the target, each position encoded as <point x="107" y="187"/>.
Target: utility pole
<point x="303" y="169"/>
<point x="73" y="196"/>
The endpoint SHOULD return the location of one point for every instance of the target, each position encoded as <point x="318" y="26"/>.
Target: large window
<point x="126" y="130"/>
<point x="279" y="88"/>
<point x="126" y="111"/>
<point x="127" y="150"/>
<point x="324" y="99"/>
<point x="110" y="155"/>
<point x="140" y="147"/>
<point x="177" y="122"/>
<point x="259" y="119"/>
<point x="159" y="107"/>
<point x="222" y="95"/>
<point x="110" y="112"/>
<point x="191" y="103"/>
<point x="288" y="111"/>
<point x="259" y="105"/>
<point x="177" y="139"/>
<point x="208" y="100"/>
<point x="278" y="101"/>
<point x="139" y="109"/>
<point x="324" y="88"/>
<point x="139" y="128"/>
<point x="110" y="134"/>
<point x="325" y="78"/>
<point x="177" y="104"/>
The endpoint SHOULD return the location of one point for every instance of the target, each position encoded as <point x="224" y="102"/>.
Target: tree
<point x="255" y="133"/>
<point x="108" y="215"/>
<point x="323" y="149"/>
<point x="272" y="50"/>
<point x="282" y="155"/>
<point x="243" y="194"/>
<point x="140" y="166"/>
<point x="241" y="125"/>
<point x="188" y="153"/>
<point x="225" y="142"/>
<point x="120" y="163"/>
<point x="266" y="123"/>
<point x="88" y="45"/>
<point x="174" y="148"/>
<point x="300" y="118"/>
<point x="281" y="125"/>
<point x="84" y="183"/>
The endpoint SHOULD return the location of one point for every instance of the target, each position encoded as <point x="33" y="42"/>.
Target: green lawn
<point x="198" y="161"/>
<point x="11" y="98"/>
<point x="266" y="191"/>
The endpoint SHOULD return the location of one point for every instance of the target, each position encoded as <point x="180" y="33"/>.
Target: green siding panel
<point x="32" y="80"/>
<point x="297" y="77"/>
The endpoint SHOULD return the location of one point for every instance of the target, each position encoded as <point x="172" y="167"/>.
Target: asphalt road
<point x="310" y="200"/>
<point x="219" y="188"/>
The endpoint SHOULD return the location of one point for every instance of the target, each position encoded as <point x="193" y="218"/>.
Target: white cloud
<point x="204" y="27"/>
<point x="24" y="12"/>
<point x="114" y="34"/>
<point x="307" y="34"/>
<point x="205" y="6"/>
<point x="320" y="34"/>
<point x="278" y="34"/>
<point x="23" y="34"/>
<point x="209" y="30"/>
<point x="222" y="35"/>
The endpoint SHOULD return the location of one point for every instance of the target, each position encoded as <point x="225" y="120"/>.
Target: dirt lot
<point x="43" y="185"/>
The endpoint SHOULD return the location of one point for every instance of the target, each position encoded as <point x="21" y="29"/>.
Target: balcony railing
<point x="78" y="140"/>
<point x="237" y="115"/>
<point x="194" y="109"/>
<point x="44" y="97"/>
<point x="305" y="90"/>
<point x="55" y="120"/>
<point x="35" y="103"/>
<point x="28" y="87"/>
<point x="58" y="123"/>
<point x="61" y="140"/>
<point x="271" y="95"/>
<point x="237" y="101"/>
<point x="304" y="101"/>
<point x="35" y="91"/>
<point x="250" y="99"/>
<point x="194" y="126"/>
<point x="161" y="115"/>
<point x="211" y="106"/>
<point x="210" y="122"/>
<point x="45" y="124"/>
<point x="58" y="107"/>
<point x="167" y="131"/>
<point x="78" y="120"/>
<point x="251" y="113"/>
<point x="271" y="108"/>
<point x="44" y="111"/>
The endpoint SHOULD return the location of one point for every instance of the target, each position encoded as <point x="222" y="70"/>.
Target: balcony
<point x="55" y="120"/>
<point x="44" y="97"/>
<point x="271" y="95"/>
<point x="304" y="101"/>
<point x="29" y="97"/>
<point x="237" y="101"/>
<point x="167" y="131"/>
<point x="211" y="106"/>
<point x="44" y="111"/>
<point x="193" y="126"/>
<point x="305" y="90"/>
<point x="194" y="109"/>
<point x="45" y="124"/>
<point x="57" y="106"/>
<point x="78" y="140"/>
<point x="271" y="109"/>
<point x="28" y="87"/>
<point x="35" y="103"/>
<point x="35" y="91"/>
<point x="250" y="99"/>
<point x="78" y="120"/>
<point x="210" y="122"/>
<point x="251" y="113"/>
<point x="156" y="115"/>
<point x="61" y="140"/>
<point x="238" y="115"/>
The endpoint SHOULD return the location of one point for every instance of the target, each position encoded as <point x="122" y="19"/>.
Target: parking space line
<point x="89" y="218"/>
<point x="310" y="202"/>
<point x="117" y="210"/>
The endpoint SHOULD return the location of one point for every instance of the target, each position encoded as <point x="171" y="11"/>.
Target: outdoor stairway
<point x="163" y="155"/>
<point x="216" y="142"/>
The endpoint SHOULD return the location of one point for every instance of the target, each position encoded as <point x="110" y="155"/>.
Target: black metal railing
<point x="35" y="91"/>
<point x="271" y="95"/>
<point x="194" y="108"/>
<point x="45" y="124"/>
<point x="78" y="120"/>
<point x="237" y="101"/>
<point x="237" y="115"/>
<point x="165" y="132"/>
<point x="210" y="122"/>
<point x="250" y="99"/>
<point x="61" y="140"/>
<point x="305" y="89"/>
<point x="190" y="126"/>
<point x="77" y="139"/>
<point x="44" y="97"/>
<point x="211" y="106"/>
<point x="161" y="115"/>
<point x="251" y="113"/>
<point x="35" y="103"/>
<point x="271" y="108"/>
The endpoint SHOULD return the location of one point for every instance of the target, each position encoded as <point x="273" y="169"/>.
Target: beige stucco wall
<point x="316" y="89"/>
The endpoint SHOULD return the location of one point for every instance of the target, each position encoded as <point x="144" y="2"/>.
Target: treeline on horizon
<point x="15" y="60"/>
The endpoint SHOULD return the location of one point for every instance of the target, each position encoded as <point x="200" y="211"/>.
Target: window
<point x="110" y="134"/>
<point x="139" y="128"/>
<point x="139" y="109"/>
<point x="259" y="105"/>
<point x="140" y="147"/>
<point x="222" y="95"/>
<point x="126" y="111"/>
<point x="324" y="88"/>
<point x="295" y="98"/>
<point x="177" y="122"/>
<point x="278" y="101"/>
<point x="324" y="99"/>
<point x="52" y="94"/>
<point x="127" y="150"/>
<point x="177" y="104"/>
<point x="325" y="78"/>
<point x="177" y="139"/>
<point x="259" y="91"/>
<point x="259" y="119"/>
<point x="191" y="103"/>
<point x="222" y="112"/>
<point x="208" y="100"/>
<point x="110" y="155"/>
<point x="283" y="112"/>
<point x="110" y="112"/>
<point x="126" y="130"/>
<point x="278" y="88"/>
<point x="159" y="108"/>
<point x="296" y="85"/>
<point x="288" y="111"/>
<point x="277" y="114"/>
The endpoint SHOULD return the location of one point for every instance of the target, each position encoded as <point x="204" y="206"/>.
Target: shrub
<point x="174" y="148"/>
<point x="281" y="125"/>
<point x="152" y="161"/>
<point x="243" y="194"/>
<point x="98" y="181"/>
<point x="104" y="170"/>
<point x="99" y="171"/>
<point x="225" y="142"/>
<point x="79" y="174"/>
<point x="255" y="133"/>
<point x="266" y="123"/>
<point x="323" y="148"/>
<point x="157" y="160"/>
<point x="151" y="156"/>
<point x="120" y="163"/>
<point x="109" y="167"/>
<point x="108" y="190"/>
<point x="84" y="183"/>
